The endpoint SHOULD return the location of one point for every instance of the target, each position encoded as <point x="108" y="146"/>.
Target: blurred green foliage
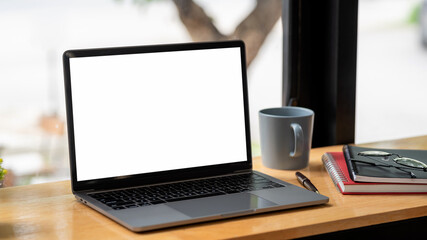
<point x="2" y="170"/>
<point x="414" y="16"/>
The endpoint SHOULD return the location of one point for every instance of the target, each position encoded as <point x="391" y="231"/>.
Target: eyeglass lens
<point x="410" y="162"/>
<point x="405" y="161"/>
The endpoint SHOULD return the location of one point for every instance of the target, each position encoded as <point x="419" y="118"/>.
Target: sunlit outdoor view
<point x="391" y="65"/>
<point x="33" y="137"/>
<point x="391" y="70"/>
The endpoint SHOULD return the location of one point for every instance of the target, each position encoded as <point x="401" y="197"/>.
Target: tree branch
<point x="198" y="24"/>
<point x="253" y="30"/>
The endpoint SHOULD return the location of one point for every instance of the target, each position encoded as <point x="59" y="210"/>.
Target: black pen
<point x="306" y="182"/>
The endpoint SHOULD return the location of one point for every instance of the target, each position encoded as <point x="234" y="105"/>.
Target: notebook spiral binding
<point x="333" y="169"/>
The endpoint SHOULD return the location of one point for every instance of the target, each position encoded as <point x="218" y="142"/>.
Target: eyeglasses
<point x="406" y="164"/>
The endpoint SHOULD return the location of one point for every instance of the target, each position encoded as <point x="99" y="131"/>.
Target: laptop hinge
<point x="86" y="191"/>
<point x="243" y="171"/>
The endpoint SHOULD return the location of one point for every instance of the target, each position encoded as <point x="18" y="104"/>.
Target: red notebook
<point x="336" y="166"/>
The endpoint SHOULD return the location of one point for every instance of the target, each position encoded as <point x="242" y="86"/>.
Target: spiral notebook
<point x="336" y="166"/>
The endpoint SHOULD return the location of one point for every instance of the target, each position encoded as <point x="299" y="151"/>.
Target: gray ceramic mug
<point x="286" y="135"/>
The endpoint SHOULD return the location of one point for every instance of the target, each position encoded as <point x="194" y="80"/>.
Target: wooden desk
<point x="50" y="211"/>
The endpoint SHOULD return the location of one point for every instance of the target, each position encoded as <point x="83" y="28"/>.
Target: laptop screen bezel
<point x="157" y="177"/>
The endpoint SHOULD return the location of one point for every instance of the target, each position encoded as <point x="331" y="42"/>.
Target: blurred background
<point x="391" y="70"/>
<point x="391" y="67"/>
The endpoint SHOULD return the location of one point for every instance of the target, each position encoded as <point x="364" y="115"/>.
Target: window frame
<point x="319" y="65"/>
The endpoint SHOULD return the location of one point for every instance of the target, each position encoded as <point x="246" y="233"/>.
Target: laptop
<point x="159" y="136"/>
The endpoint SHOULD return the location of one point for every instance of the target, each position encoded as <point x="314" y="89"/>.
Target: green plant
<point x="414" y="16"/>
<point x="2" y="170"/>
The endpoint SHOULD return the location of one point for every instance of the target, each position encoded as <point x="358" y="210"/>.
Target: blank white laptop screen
<point x="149" y="112"/>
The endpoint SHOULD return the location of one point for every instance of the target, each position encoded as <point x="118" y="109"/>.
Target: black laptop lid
<point x="149" y="114"/>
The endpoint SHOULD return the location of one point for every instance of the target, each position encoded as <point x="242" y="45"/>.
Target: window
<point x="33" y="139"/>
<point x="391" y="70"/>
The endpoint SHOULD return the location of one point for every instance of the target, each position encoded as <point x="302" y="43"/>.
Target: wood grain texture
<point x="50" y="211"/>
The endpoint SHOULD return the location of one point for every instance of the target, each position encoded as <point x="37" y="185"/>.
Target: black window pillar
<point x="319" y="65"/>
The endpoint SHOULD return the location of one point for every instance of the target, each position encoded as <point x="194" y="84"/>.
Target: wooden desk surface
<point x="50" y="211"/>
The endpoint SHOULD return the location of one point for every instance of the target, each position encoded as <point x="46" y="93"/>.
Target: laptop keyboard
<point x="144" y="196"/>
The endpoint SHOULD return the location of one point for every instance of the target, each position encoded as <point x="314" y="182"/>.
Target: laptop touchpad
<point x="221" y="204"/>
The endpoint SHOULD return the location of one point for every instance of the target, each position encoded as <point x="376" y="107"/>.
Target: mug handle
<point x="298" y="140"/>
